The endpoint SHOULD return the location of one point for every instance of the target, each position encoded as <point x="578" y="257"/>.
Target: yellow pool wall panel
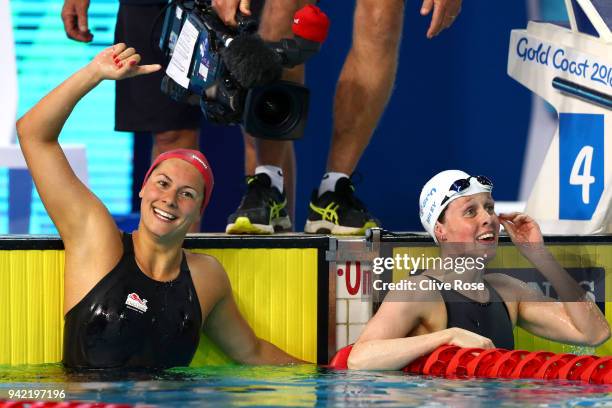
<point x="31" y="301"/>
<point x="275" y="289"/>
<point x="276" y="292"/>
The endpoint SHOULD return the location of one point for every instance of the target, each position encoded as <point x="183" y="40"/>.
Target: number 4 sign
<point x="581" y="164"/>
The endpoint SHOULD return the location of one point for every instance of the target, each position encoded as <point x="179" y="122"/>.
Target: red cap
<point x="197" y="160"/>
<point x="311" y="23"/>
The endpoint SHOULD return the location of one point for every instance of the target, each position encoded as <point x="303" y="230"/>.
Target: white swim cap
<point x="443" y="188"/>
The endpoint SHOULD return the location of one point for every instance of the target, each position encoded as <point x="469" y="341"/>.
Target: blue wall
<point x="453" y="107"/>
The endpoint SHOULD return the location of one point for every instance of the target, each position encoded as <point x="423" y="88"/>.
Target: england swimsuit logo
<point x="134" y="302"/>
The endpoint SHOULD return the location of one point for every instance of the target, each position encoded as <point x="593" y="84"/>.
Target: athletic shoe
<point x="262" y="209"/>
<point x="339" y="212"/>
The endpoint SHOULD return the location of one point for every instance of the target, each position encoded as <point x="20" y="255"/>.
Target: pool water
<point x="296" y="386"/>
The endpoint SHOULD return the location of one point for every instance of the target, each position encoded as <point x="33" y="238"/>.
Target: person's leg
<point x="250" y="154"/>
<point x="366" y="80"/>
<point x="362" y="93"/>
<point x="287" y="165"/>
<point x="290" y="174"/>
<point x="276" y="21"/>
<point x="275" y="24"/>
<point x="174" y="139"/>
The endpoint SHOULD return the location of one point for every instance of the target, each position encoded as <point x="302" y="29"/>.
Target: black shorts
<point x="140" y="106"/>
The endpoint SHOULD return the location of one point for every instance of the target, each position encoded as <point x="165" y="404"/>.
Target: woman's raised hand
<point x="120" y="62"/>
<point x="522" y="228"/>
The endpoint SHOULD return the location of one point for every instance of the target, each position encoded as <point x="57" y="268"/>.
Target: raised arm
<point x="575" y="319"/>
<point x="75" y="211"/>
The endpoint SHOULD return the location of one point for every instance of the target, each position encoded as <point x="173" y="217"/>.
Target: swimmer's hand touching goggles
<point x="461" y="185"/>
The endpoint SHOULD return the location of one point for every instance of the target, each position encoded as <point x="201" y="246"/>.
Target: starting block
<point x="571" y="68"/>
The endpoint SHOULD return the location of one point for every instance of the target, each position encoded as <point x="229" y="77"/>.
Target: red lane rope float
<point x="550" y="369"/>
<point x="340" y="360"/>
<point x="527" y="367"/>
<point x="455" y="362"/>
<point x="505" y="364"/>
<point x="457" y="367"/>
<point x="438" y="360"/>
<point x="572" y="370"/>
<point x="597" y="370"/>
<point x="59" y="404"/>
<point x="482" y="364"/>
<point x="416" y="367"/>
<point x="607" y="379"/>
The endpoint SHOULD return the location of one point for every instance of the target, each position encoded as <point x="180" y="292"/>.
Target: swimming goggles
<point x="463" y="184"/>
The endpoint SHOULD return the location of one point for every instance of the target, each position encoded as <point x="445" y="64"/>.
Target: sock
<point x="275" y="173"/>
<point x="328" y="182"/>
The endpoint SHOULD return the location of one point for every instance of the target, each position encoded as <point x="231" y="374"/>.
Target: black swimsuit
<point x="490" y="319"/>
<point x="131" y="320"/>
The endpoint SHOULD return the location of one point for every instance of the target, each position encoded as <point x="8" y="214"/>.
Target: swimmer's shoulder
<point x="208" y="275"/>
<point x="207" y="266"/>
<point x="409" y="311"/>
<point x="504" y="283"/>
<point x="200" y="260"/>
<point x="417" y="297"/>
<point x="510" y="289"/>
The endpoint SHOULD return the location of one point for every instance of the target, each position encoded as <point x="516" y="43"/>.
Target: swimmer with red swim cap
<point x="458" y="304"/>
<point x="134" y="300"/>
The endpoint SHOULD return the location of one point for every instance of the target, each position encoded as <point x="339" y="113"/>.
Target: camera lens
<point x="273" y="108"/>
<point x="277" y="111"/>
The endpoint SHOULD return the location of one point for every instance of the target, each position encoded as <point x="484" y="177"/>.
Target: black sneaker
<point x="338" y="212"/>
<point x="262" y="209"/>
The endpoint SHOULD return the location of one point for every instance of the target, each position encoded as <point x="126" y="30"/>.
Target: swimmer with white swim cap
<point x="458" y="211"/>
<point x="133" y="300"/>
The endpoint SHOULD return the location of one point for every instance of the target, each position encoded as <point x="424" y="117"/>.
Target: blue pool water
<point x="298" y="386"/>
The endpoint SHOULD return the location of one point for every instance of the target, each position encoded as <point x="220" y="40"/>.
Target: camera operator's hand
<point x="226" y="9"/>
<point x="74" y="16"/>
<point x="444" y="14"/>
<point x="119" y="62"/>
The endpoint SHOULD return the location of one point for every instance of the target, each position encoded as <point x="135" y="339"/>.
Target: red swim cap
<point x="197" y="160"/>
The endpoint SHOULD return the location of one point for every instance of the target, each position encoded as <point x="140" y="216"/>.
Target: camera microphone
<point x="234" y="74"/>
<point x="251" y="61"/>
<point x="310" y="28"/>
<point x="311" y="24"/>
